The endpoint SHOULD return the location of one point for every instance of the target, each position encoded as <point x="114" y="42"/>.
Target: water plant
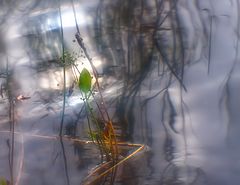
<point x="101" y="131"/>
<point x="100" y="127"/>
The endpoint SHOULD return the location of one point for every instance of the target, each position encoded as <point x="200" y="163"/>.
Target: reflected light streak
<point x="51" y="23"/>
<point x="53" y="80"/>
<point x="69" y="21"/>
<point x="67" y="16"/>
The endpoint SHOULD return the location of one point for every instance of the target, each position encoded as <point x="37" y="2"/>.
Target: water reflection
<point x="169" y="72"/>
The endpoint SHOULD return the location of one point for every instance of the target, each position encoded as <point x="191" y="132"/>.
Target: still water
<point x="169" y="72"/>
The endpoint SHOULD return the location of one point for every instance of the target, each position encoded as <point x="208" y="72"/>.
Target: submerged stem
<point x="64" y="99"/>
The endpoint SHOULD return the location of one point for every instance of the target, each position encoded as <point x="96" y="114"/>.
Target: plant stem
<point x="64" y="74"/>
<point x="64" y="98"/>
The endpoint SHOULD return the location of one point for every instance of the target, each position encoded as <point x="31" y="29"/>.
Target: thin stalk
<point x="64" y="73"/>
<point x="181" y="43"/>
<point x="64" y="99"/>
<point x="65" y="160"/>
<point x="12" y="125"/>
<point x="100" y="149"/>
<point x="75" y="16"/>
<point x="89" y="125"/>
<point x="12" y="140"/>
<point x="210" y="45"/>
<point x="94" y="119"/>
<point x="100" y="140"/>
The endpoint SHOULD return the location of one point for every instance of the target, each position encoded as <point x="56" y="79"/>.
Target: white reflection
<point x="68" y="19"/>
<point x="97" y="62"/>
<point x="54" y="80"/>
<point x="13" y="31"/>
<point x="75" y="100"/>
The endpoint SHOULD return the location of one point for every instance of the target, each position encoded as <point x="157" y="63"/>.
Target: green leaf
<point x="3" y="181"/>
<point x="85" y="81"/>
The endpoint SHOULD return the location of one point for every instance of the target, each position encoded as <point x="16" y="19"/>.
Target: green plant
<point x="68" y="59"/>
<point x="100" y="128"/>
<point x="3" y="181"/>
<point x="101" y="131"/>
